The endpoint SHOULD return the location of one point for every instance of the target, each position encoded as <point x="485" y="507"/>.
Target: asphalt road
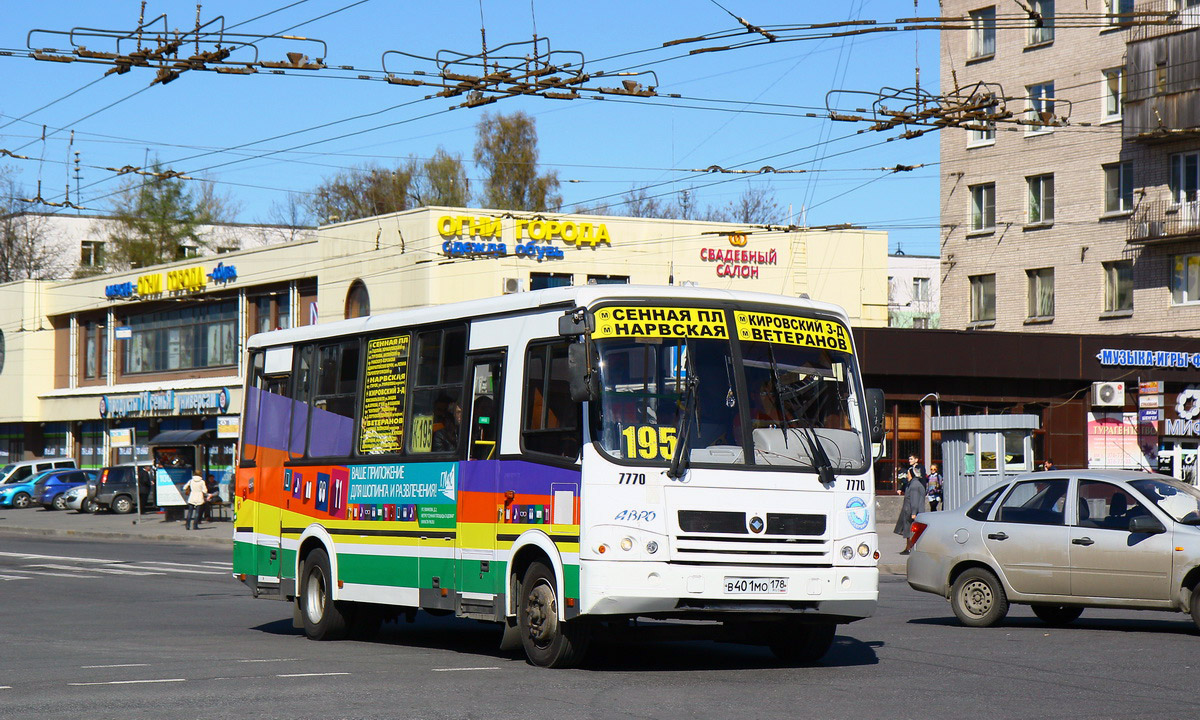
<point x="100" y="629"/>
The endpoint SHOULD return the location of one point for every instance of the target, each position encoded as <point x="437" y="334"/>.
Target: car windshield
<point x="1179" y="500"/>
<point x="791" y="399"/>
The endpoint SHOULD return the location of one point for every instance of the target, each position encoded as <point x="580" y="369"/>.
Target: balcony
<point x="1155" y="18"/>
<point x="1162" y="75"/>
<point x="1164" y="221"/>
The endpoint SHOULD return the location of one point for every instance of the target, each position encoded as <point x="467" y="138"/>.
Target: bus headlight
<point x="863" y="549"/>
<point x="626" y="544"/>
<point x="652" y="547"/>
<point x="847" y="552"/>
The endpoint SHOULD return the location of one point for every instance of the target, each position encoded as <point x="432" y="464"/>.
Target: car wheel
<point x="122" y="504"/>
<point x="323" y="619"/>
<point x="547" y="640"/>
<point x="88" y="506"/>
<point x="59" y="502"/>
<point x="803" y="643"/>
<point x="978" y="598"/>
<point x="1057" y="615"/>
<point x="1196" y="605"/>
<point x="21" y="500"/>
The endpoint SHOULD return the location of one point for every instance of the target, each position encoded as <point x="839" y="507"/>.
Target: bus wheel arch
<point x="532" y="546"/>
<point x="316" y="537"/>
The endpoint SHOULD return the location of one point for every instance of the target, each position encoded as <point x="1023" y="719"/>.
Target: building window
<point x="1041" y="293"/>
<point x="1114" y="9"/>
<point x="95" y="350"/>
<point x="91" y="254"/>
<point x="920" y="289"/>
<point x="1118" y="187"/>
<point x="893" y="291"/>
<point x="608" y="279"/>
<point x="983" y="298"/>
<point x="193" y="337"/>
<point x="982" y="132"/>
<point x="1185" y="177"/>
<point x="1041" y="108"/>
<point x="982" y="41"/>
<point x="1185" y="281"/>
<point x="983" y="206"/>
<point x="1118" y="286"/>
<point x="541" y="281"/>
<point x="1041" y="199"/>
<point x="358" y="301"/>
<point x="1042" y="31"/>
<point x="1114" y="93"/>
<point x="920" y="323"/>
<point x="271" y="312"/>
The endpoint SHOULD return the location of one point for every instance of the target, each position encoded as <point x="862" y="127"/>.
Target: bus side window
<point x="250" y="410"/>
<point x="301" y="389"/>
<point x="550" y="419"/>
<point x="265" y="418"/>
<point x="436" y="396"/>
<point x="332" y="429"/>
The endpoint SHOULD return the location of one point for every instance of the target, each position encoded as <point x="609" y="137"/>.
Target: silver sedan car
<point x="1062" y="541"/>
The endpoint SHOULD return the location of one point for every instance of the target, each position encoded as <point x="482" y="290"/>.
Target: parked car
<point x="115" y="488"/>
<point x="18" y="471"/>
<point x="1062" y="541"/>
<point x="51" y="491"/>
<point x="19" y="493"/>
<point x="78" y="500"/>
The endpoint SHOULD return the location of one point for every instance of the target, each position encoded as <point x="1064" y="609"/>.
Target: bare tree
<point x="757" y="206"/>
<point x="26" y="252"/>
<point x="440" y="180"/>
<point x="639" y="203"/>
<point x="289" y="217"/>
<point x="360" y="192"/>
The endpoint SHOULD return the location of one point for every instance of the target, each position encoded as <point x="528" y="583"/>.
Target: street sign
<point x="123" y="332"/>
<point x="1153" y="387"/>
<point x="120" y="437"/>
<point x="1150" y="401"/>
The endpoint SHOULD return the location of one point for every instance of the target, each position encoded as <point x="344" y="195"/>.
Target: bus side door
<point x="480" y="507"/>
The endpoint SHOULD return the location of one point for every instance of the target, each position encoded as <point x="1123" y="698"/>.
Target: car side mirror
<point x="875" y="414"/>
<point x="1146" y="524"/>
<point x="582" y="380"/>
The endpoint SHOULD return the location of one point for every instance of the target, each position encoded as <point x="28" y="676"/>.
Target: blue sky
<point x="742" y="108"/>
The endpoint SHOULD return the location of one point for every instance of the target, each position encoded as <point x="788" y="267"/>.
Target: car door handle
<point x="1084" y="541"/>
<point x="997" y="536"/>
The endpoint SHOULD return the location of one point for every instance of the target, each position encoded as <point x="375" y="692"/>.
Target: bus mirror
<point x="582" y="379"/>
<point x="574" y="323"/>
<point x="875" y="414"/>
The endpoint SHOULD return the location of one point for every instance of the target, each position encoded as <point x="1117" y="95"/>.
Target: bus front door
<point x="480" y="507"/>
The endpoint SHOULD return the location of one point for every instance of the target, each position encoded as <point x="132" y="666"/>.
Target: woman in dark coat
<point x="914" y="503"/>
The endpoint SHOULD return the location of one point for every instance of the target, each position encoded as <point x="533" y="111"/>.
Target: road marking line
<point x="157" y="569"/>
<point x="312" y="674"/>
<point x="29" y="556"/>
<point x="81" y="575"/>
<point x="464" y="669"/>
<point x="268" y="660"/>
<point x="110" y="571"/>
<point x="5" y="687"/>
<point x="13" y="577"/>
<point x="131" y="682"/>
<point x="89" y="667"/>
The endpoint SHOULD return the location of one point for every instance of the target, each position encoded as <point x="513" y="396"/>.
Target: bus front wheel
<point x="323" y="619"/>
<point x="548" y="640"/>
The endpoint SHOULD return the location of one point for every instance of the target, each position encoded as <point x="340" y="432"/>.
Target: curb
<point x="103" y="535"/>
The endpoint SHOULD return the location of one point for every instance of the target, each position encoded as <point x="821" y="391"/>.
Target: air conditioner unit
<point x="1108" y="394"/>
<point x="511" y="285"/>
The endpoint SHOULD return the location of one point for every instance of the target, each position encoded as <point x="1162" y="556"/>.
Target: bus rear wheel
<point x="803" y="643"/>
<point x="548" y="641"/>
<point x="323" y="619"/>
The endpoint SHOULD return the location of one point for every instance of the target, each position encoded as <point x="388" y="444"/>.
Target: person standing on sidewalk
<point x="933" y="489"/>
<point x="196" y="490"/>
<point x="914" y="501"/>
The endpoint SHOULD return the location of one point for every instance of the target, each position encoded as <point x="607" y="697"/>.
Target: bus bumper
<point x="665" y="590"/>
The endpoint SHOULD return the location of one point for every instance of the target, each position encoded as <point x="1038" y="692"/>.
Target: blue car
<point x="19" y="493"/>
<point x="51" y="490"/>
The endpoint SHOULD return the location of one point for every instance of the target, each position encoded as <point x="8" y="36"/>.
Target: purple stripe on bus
<point x="523" y="478"/>
<point x="331" y="434"/>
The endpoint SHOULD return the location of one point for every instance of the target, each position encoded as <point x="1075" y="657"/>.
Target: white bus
<point x="563" y="461"/>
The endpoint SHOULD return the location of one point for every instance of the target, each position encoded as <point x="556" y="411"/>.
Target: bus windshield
<point x="763" y="394"/>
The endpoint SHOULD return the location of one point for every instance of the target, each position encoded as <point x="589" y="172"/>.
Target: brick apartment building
<point x="1084" y="217"/>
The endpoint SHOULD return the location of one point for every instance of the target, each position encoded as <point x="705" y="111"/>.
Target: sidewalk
<point x="150" y="527"/>
<point x="154" y="528"/>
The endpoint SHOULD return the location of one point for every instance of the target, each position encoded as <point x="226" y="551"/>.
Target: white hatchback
<point x="77" y="500"/>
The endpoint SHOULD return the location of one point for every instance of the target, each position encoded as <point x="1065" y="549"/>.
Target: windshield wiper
<point x="816" y="451"/>
<point x="684" y="425"/>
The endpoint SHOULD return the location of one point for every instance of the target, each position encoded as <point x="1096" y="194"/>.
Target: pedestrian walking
<point x="210" y="497"/>
<point x="914" y="501"/>
<point x="195" y="490"/>
<point x="933" y="488"/>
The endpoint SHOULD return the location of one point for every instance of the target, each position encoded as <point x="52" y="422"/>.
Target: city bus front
<point x="728" y="470"/>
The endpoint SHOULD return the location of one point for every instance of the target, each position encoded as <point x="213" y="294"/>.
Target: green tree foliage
<point x="157" y="220"/>
<point x="361" y="192"/>
<point x="441" y="180"/>
<point x="506" y="149"/>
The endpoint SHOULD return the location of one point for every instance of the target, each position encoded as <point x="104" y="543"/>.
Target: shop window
<point x="541" y="281"/>
<point x="95" y="350"/>
<point x="271" y="312"/>
<point x="193" y="337"/>
<point x="550" y="419"/>
<point x="358" y="301"/>
<point x="608" y="279"/>
<point x="436" y="394"/>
